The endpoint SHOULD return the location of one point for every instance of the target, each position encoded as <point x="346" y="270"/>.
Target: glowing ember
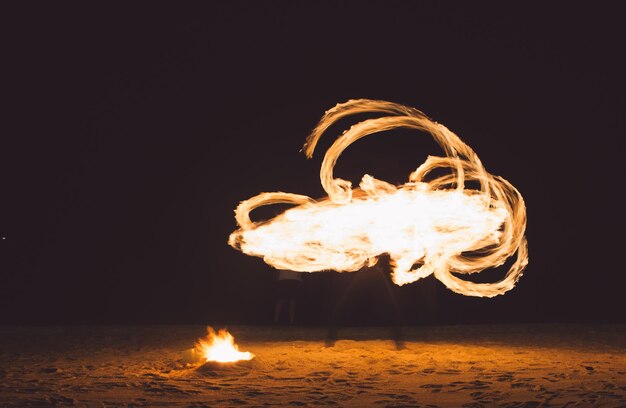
<point x="429" y="225"/>
<point x="221" y="347"/>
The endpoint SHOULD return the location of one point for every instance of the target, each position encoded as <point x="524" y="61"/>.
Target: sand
<point x="457" y="366"/>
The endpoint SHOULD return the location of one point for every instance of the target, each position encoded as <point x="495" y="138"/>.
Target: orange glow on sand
<point x="221" y="347"/>
<point x="429" y="225"/>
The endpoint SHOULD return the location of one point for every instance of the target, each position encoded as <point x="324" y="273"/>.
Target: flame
<point x="221" y="347"/>
<point x="435" y="226"/>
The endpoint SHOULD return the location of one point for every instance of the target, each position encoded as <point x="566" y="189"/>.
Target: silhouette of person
<point x="366" y="297"/>
<point x="288" y="290"/>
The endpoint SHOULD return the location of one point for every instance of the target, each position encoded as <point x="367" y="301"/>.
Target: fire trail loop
<point x="428" y="226"/>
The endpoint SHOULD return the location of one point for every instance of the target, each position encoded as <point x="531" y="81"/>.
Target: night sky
<point x="130" y="132"/>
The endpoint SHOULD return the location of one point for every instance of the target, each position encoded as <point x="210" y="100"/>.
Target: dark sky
<point x="131" y="132"/>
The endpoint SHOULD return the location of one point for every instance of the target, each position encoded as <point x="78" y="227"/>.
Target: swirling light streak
<point x="427" y="226"/>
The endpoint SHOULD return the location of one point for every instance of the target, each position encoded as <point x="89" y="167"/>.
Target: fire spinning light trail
<point x="429" y="225"/>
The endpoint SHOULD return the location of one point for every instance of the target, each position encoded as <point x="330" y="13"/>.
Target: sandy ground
<point x="464" y="366"/>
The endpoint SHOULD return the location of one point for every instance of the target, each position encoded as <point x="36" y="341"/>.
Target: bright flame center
<point x="221" y="347"/>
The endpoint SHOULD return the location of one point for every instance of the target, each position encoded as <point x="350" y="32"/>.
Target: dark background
<point x="131" y="132"/>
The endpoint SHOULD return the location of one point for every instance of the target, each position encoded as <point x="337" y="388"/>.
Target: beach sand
<point x="456" y="366"/>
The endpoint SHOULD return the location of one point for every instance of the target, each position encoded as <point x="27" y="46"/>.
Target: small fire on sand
<point x="221" y="347"/>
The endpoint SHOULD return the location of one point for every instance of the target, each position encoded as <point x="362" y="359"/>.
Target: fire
<point x="221" y="347"/>
<point x="429" y="225"/>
